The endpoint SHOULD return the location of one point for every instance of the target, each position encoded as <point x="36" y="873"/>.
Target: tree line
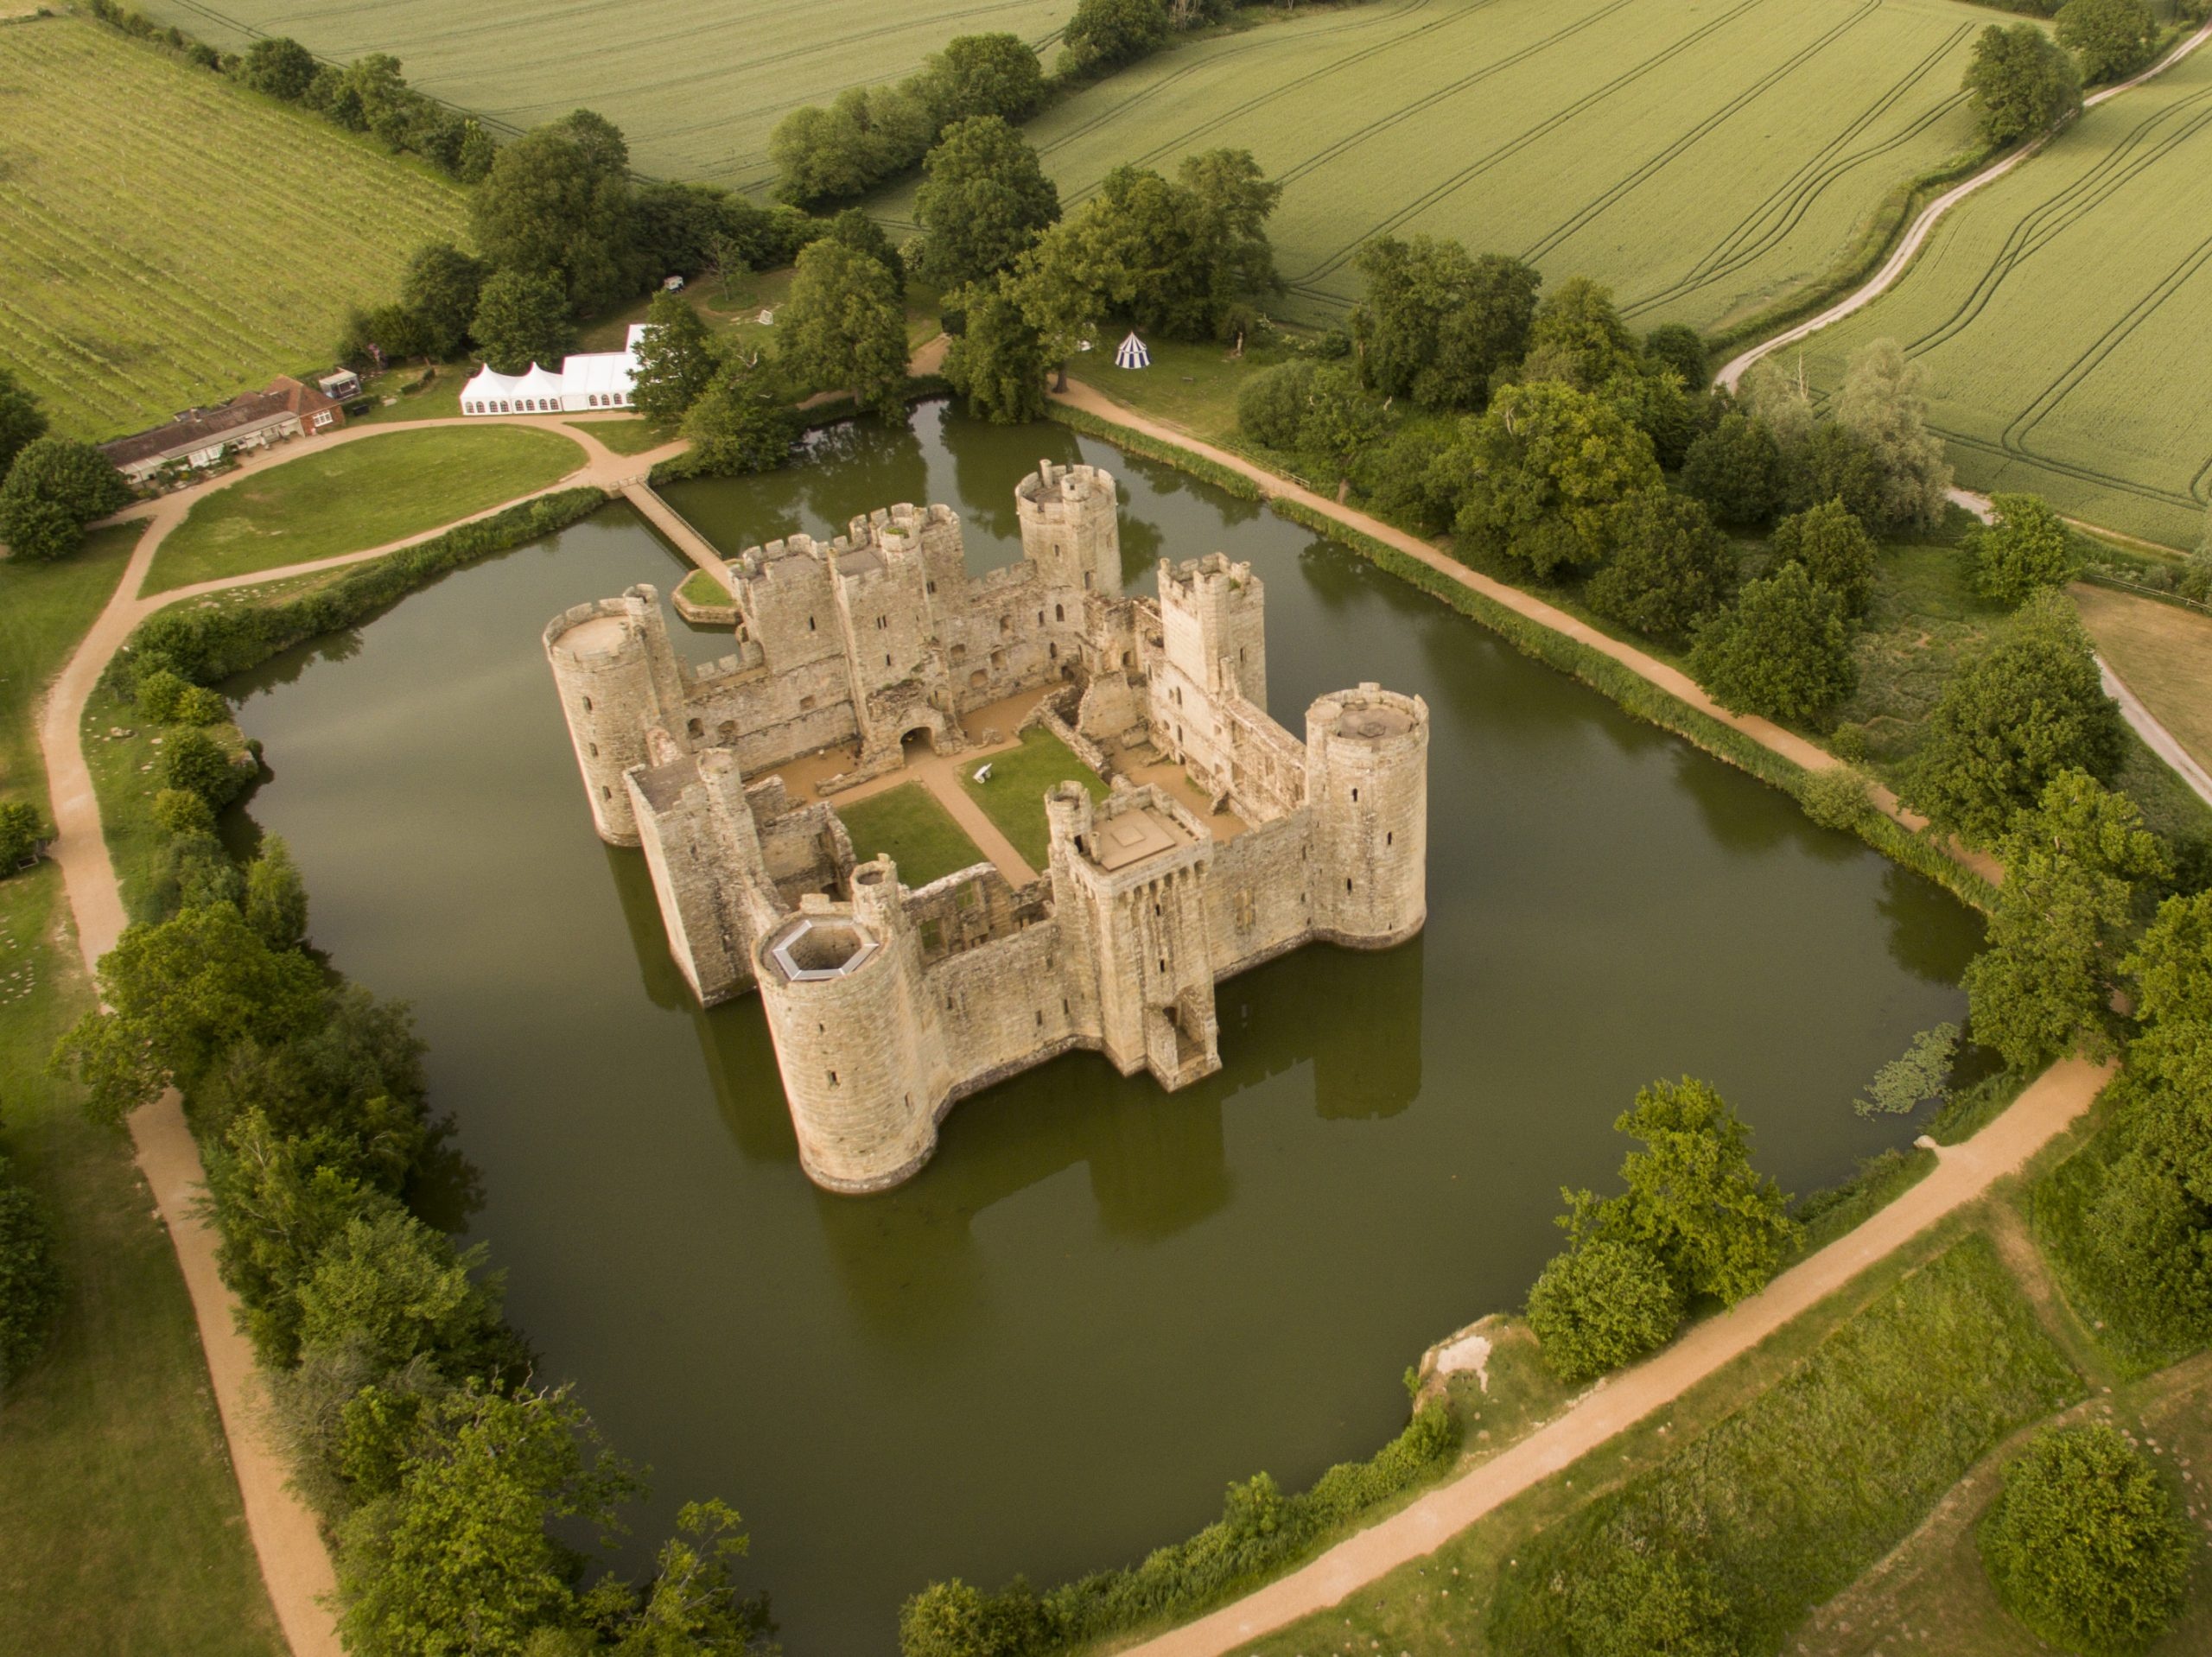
<point x="447" y="1470"/>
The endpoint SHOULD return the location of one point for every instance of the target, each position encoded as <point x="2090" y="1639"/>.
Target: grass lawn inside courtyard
<point x="907" y="825"/>
<point x="1015" y="797"/>
<point x="352" y="496"/>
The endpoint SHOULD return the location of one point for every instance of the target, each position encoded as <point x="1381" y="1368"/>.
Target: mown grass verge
<point x="359" y="494"/>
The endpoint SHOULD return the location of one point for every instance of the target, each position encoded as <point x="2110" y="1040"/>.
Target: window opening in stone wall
<point x="587" y="704"/>
<point x="693" y="728"/>
<point x="809" y="623"/>
<point x="1347" y="883"/>
<point x="833" y="1078"/>
<point x="1059" y="612"/>
<point x="1355" y="796"/>
<point x="594" y="749"/>
<point x="1390" y="840"/>
<point x="605" y="793"/>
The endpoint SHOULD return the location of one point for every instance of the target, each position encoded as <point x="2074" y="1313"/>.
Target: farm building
<point x="597" y="379"/>
<point x="199" y="437"/>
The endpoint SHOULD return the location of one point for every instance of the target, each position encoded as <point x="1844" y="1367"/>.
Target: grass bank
<point x="125" y="1529"/>
<point x="343" y="498"/>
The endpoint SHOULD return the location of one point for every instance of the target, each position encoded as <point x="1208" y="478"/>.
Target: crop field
<point x="1703" y="157"/>
<point x="2062" y="312"/>
<point x="167" y="240"/>
<point x="696" y="86"/>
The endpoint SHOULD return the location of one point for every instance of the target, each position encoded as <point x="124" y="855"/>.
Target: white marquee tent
<point x="598" y="379"/>
<point x="1131" y="353"/>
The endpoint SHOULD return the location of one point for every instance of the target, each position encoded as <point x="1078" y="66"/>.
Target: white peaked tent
<point x="1131" y="353"/>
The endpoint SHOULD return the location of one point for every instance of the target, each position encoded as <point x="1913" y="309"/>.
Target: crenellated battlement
<point x="886" y="1004"/>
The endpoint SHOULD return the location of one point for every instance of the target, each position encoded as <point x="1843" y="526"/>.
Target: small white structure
<point x="597" y="379"/>
<point x="1131" y="353"/>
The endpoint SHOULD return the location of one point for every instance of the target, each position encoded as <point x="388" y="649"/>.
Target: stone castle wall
<point x="887" y="1004"/>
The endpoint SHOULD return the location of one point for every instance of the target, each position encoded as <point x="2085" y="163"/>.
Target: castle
<point x="887" y="1004"/>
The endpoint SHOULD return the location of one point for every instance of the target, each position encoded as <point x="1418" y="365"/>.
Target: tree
<point x="2112" y="38"/>
<point x="31" y="1285"/>
<point x="1601" y="1306"/>
<point x="1884" y="403"/>
<point x="866" y="135"/>
<point x="1341" y="422"/>
<point x="1409" y="479"/>
<point x="742" y="423"/>
<point x="522" y="319"/>
<point x="1784" y="650"/>
<point x="1107" y="34"/>
<point x="1271" y="405"/>
<point x="845" y="329"/>
<point x="458" y="1557"/>
<point x="177" y="995"/>
<point x="1434" y="324"/>
<point x="275" y="897"/>
<point x="22" y="421"/>
<point x="1833" y="464"/>
<point x="693" y="1609"/>
<point x="1540" y="473"/>
<point x="2171" y="968"/>
<point x="1694" y="1200"/>
<point x="54" y="487"/>
<point x="196" y="763"/>
<point x="2028" y="548"/>
<point x="557" y="201"/>
<point x="396" y="1288"/>
<point x="983" y="200"/>
<point x="857" y="230"/>
<point x="1681" y="347"/>
<point x="1736" y="470"/>
<point x="675" y="360"/>
<point x="1231" y="202"/>
<point x="444" y="286"/>
<point x="398" y="331"/>
<point x="2031" y="707"/>
<point x="2072" y="868"/>
<point x="998" y="361"/>
<point x="1579" y="337"/>
<point x="21" y="830"/>
<point x="2020" y="83"/>
<point x="1834" y="548"/>
<point x="1670" y="567"/>
<point x="279" y="66"/>
<point x="2086" y="1543"/>
<point x="996" y="75"/>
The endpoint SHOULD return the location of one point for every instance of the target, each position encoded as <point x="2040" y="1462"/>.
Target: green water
<point x="1100" y="1303"/>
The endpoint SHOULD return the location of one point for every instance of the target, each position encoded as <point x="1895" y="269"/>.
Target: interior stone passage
<point x="1099" y="1302"/>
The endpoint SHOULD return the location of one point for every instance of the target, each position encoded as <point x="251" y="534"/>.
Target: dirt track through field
<point x="1894" y="267"/>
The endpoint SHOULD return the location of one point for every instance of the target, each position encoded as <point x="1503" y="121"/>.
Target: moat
<point x="1100" y="1301"/>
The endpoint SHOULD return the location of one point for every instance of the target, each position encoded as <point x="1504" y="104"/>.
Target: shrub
<point x="2028" y="548"/>
<point x="197" y="763"/>
<point x="2086" y="1545"/>
<point x="180" y="811"/>
<point x="1271" y="406"/>
<point x="275" y="897"/>
<point x="1601" y="1306"/>
<point x="21" y="830"/>
<point x="1783" y="651"/>
<point x="1838" y="797"/>
<point x="158" y="692"/>
<point x="30" y="1286"/>
<point x="1833" y="546"/>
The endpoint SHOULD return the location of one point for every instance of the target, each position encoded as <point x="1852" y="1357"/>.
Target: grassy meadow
<point x="696" y="86"/>
<point x="168" y="239"/>
<point x="1706" y="159"/>
<point x="907" y="825"/>
<point x="2062" y="313"/>
<point x="352" y="496"/>
<point x="2164" y="653"/>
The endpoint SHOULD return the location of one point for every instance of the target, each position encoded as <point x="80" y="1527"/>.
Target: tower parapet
<point x="1213" y="620"/>
<point x="619" y="680"/>
<point x="1366" y="785"/>
<point x="1071" y="526"/>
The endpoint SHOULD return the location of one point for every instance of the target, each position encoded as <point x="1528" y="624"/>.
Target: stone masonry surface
<point x="887" y="1004"/>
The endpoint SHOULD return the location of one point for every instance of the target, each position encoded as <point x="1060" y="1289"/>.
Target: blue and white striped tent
<point x="1131" y="353"/>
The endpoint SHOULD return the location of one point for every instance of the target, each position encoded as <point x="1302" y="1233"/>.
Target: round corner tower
<point x="1367" y="786"/>
<point x="606" y="663"/>
<point x="1071" y="526"/>
<point x="842" y="989"/>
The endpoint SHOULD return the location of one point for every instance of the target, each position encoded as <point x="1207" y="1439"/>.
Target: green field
<point x="166" y="239"/>
<point x="907" y="825"/>
<point x="2062" y="312"/>
<point x="696" y="86"/>
<point x="352" y="496"/>
<point x="1705" y="157"/>
<point x="1014" y="798"/>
